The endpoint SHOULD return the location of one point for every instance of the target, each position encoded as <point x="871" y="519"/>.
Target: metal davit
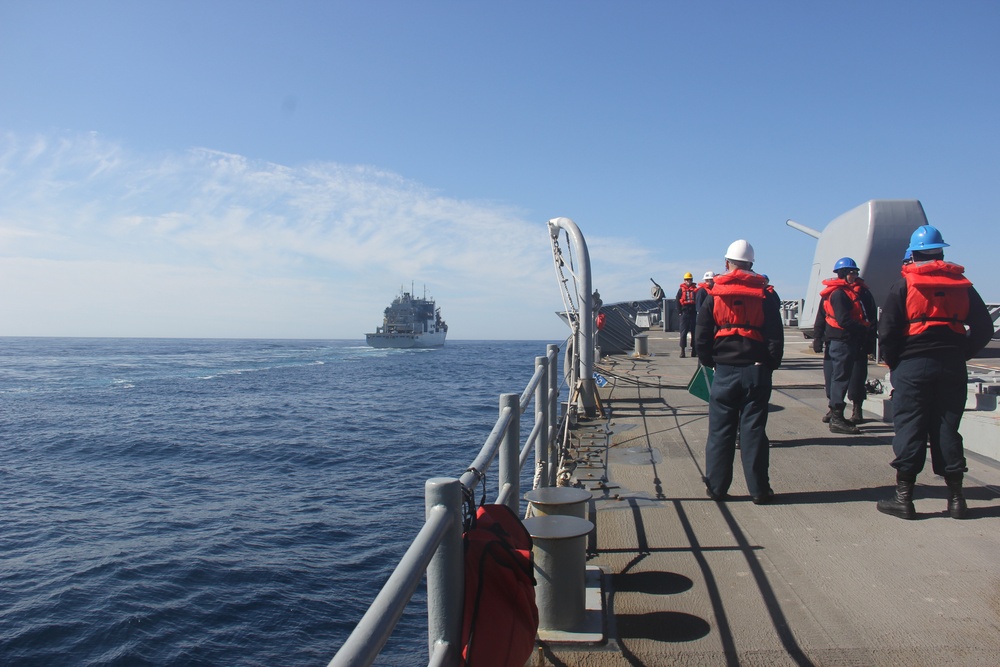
<point x="579" y="305"/>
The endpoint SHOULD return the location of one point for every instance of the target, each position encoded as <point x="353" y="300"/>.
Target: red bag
<point x="500" y="618"/>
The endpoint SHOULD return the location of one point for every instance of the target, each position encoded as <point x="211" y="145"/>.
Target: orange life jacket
<point x="937" y="294"/>
<point x="860" y="287"/>
<point x="857" y="313"/>
<point x="738" y="304"/>
<point x="707" y="286"/>
<point x="687" y="293"/>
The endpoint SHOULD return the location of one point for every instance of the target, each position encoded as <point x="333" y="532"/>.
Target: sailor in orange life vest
<point x="923" y="338"/>
<point x="739" y="334"/>
<point x="704" y="287"/>
<point x="856" y="391"/>
<point x="845" y="331"/>
<point x="685" y="304"/>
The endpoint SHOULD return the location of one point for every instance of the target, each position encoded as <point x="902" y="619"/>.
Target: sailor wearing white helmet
<point x="739" y="334"/>
<point x="704" y="287"/>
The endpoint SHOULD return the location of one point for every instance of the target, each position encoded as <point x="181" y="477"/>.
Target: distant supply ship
<point x="410" y="322"/>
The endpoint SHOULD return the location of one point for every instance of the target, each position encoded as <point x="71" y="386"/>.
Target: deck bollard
<point x="641" y="345"/>
<point x="559" y="500"/>
<point x="560" y="570"/>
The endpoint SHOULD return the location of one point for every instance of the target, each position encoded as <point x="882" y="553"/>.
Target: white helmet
<point x="709" y="276"/>
<point x="741" y="251"/>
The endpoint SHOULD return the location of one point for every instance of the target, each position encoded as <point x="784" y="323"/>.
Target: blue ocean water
<point x="223" y="502"/>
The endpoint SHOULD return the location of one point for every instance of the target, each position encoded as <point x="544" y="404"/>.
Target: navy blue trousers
<point x="928" y="397"/>
<point x="842" y="355"/>
<point x="856" y="391"/>
<point x="859" y="375"/>
<point x="688" y="317"/>
<point x="738" y="399"/>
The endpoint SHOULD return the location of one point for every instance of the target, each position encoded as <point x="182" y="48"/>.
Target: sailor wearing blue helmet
<point x="933" y="321"/>
<point x="845" y="326"/>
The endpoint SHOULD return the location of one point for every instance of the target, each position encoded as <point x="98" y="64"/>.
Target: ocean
<point x="224" y="502"/>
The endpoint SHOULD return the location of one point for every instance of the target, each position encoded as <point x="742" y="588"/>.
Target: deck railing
<point x="437" y="549"/>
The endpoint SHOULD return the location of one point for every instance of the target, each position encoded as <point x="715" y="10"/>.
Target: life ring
<point x="601" y="319"/>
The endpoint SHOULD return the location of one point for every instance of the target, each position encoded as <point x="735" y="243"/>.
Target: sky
<point x="251" y="169"/>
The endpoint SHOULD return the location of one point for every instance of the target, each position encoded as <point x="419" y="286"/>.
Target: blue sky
<point x="281" y="169"/>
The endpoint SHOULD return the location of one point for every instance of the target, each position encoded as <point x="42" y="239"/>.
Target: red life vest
<point x="738" y="304"/>
<point x="937" y="294"/>
<point x="707" y="286"/>
<point x="860" y="287"/>
<point x="687" y="293"/>
<point x="857" y="313"/>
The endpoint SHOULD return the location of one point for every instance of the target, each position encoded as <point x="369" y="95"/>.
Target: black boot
<point x="840" y="425"/>
<point x="682" y="353"/>
<point x="826" y="417"/>
<point x="901" y="504"/>
<point x="957" y="508"/>
<point x="856" y="416"/>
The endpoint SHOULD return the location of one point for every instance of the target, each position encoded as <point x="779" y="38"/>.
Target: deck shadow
<point x="662" y="626"/>
<point x="654" y="583"/>
<point x="981" y="513"/>
<point x="788" y="363"/>
<point x="874" y="494"/>
<point x="827" y="497"/>
<point x="640" y="402"/>
<point x="645" y="412"/>
<point x="829" y="441"/>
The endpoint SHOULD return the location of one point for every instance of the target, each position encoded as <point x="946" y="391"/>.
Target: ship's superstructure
<point x="410" y="322"/>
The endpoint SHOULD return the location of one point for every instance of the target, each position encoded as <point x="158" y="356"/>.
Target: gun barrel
<point x="802" y="228"/>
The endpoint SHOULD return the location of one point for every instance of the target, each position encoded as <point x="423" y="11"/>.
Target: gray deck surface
<point x="817" y="578"/>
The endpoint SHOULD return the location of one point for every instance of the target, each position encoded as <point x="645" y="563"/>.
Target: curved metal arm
<point x="586" y="341"/>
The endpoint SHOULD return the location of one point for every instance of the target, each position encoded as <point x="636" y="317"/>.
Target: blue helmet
<point x="907" y="256"/>
<point x="845" y="263"/>
<point x="926" y="237"/>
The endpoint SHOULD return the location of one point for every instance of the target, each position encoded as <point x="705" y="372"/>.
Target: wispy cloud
<point x="103" y="241"/>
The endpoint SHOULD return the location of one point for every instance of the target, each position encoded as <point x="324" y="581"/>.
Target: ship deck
<point x="819" y="577"/>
